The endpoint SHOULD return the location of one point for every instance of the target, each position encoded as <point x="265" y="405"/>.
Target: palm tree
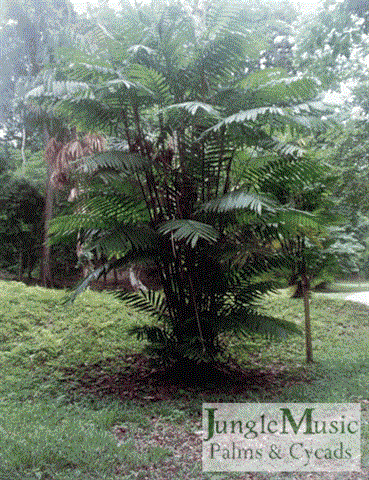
<point x="62" y="154"/>
<point x="185" y="114"/>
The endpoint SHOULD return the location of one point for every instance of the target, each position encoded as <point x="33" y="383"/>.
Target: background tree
<point x="39" y="27"/>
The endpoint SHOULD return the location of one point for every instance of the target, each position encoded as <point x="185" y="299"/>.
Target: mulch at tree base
<point x="136" y="377"/>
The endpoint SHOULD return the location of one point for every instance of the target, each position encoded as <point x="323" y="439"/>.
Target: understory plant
<point x="195" y="129"/>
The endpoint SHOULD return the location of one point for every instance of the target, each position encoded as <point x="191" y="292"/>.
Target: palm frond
<point x="215" y="64"/>
<point x="190" y="230"/>
<point x="62" y="90"/>
<point x="126" y="86"/>
<point x="153" y="80"/>
<point x="220" y="18"/>
<point x="296" y="221"/>
<point x="84" y="284"/>
<point x="116" y="160"/>
<point x="90" y="73"/>
<point x="121" y="240"/>
<point x="64" y="225"/>
<point x="272" y="115"/>
<point x="291" y="90"/>
<point x="253" y="115"/>
<point x="150" y="302"/>
<point x="193" y="107"/>
<point x="153" y="334"/>
<point x="246" y="321"/>
<point x="240" y="200"/>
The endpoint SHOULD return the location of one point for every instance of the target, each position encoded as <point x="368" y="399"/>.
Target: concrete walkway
<point x="360" y="297"/>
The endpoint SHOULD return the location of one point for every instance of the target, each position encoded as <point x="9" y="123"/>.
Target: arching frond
<point x="296" y="222"/>
<point x="62" y="90"/>
<point x="153" y="80"/>
<point x="273" y="116"/>
<point x="189" y="230"/>
<point x="85" y="72"/>
<point x="254" y="323"/>
<point x="274" y="86"/>
<point x="193" y="107"/>
<point x="118" y="160"/>
<point x="240" y="200"/>
<point x="150" y="302"/>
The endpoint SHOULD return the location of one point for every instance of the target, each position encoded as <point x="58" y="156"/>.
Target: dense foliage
<point x="203" y="179"/>
<point x="185" y="108"/>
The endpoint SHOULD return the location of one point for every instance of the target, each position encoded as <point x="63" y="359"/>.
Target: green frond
<point x="153" y="80"/>
<point x="244" y="292"/>
<point x="260" y="77"/>
<point x="193" y="107"/>
<point x="115" y="160"/>
<point x="295" y="221"/>
<point x="289" y="90"/>
<point x="308" y="122"/>
<point x="283" y="175"/>
<point x="123" y="85"/>
<point x="65" y="225"/>
<point x="85" y="72"/>
<point x="253" y="115"/>
<point x="197" y="114"/>
<point x="101" y="39"/>
<point x="189" y="230"/>
<point x="155" y="335"/>
<point x="62" y="90"/>
<point x="84" y="284"/>
<point x="247" y="322"/>
<point x="134" y="49"/>
<point x="273" y="116"/>
<point x="215" y="64"/>
<point x="240" y="200"/>
<point x="220" y="18"/>
<point x="117" y="242"/>
<point x="150" y="302"/>
<point x="259" y="265"/>
<point x="114" y="207"/>
<point x="282" y="148"/>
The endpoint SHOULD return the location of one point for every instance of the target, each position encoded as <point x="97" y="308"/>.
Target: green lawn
<point x="54" y="425"/>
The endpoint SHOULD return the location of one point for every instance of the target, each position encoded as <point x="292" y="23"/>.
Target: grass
<point x="50" y="429"/>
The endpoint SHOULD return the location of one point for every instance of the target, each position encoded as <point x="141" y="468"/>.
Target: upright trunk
<point x="305" y="293"/>
<point x="46" y="275"/>
<point x="46" y="251"/>
<point x="20" y="264"/>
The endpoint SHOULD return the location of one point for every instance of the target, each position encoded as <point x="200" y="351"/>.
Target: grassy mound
<point x="79" y="400"/>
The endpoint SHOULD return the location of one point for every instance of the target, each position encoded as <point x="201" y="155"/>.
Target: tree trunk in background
<point x="46" y="275"/>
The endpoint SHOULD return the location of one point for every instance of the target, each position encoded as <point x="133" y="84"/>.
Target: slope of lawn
<point x="71" y="408"/>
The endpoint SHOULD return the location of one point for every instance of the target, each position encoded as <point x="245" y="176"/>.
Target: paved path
<point x="361" y="297"/>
